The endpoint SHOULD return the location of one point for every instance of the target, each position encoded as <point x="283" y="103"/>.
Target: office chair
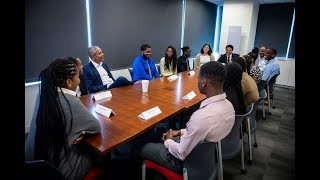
<point x="201" y="163"/>
<point x="41" y="169"/>
<point x="232" y="144"/>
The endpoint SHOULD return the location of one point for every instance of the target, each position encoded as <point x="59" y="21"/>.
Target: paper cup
<point x="145" y="84"/>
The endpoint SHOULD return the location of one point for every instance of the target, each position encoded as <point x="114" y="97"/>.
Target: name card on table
<point x="150" y="113"/>
<point x="102" y="95"/>
<point x="103" y="110"/>
<point x="172" y="77"/>
<point x="191" y="73"/>
<point x="189" y="96"/>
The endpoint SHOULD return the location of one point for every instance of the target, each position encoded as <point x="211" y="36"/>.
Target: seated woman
<point x="168" y="64"/>
<point x="60" y="122"/>
<point x="232" y="87"/>
<point x="252" y="69"/>
<point x="204" y="56"/>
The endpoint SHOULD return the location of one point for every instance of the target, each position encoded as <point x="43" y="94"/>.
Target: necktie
<point x="187" y="64"/>
<point x="149" y="68"/>
<point x="228" y="58"/>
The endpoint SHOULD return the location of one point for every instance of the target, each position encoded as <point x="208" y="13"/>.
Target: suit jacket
<point x="183" y="64"/>
<point x="223" y="57"/>
<point x="92" y="77"/>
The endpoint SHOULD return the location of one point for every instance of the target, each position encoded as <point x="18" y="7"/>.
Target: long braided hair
<point x="51" y="133"/>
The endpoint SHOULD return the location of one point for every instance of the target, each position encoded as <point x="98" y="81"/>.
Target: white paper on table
<point x="172" y="77"/>
<point x="102" y="95"/>
<point x="150" y="113"/>
<point x="103" y="110"/>
<point x="191" y="73"/>
<point x="190" y="95"/>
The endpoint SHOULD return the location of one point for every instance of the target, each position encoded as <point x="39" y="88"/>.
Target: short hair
<point x="274" y="51"/>
<point x="92" y="50"/>
<point x="230" y="46"/>
<point x="210" y="50"/>
<point x="241" y="62"/>
<point x="255" y="50"/>
<point x="144" y="47"/>
<point x="185" y="48"/>
<point x="214" y="71"/>
<point x="254" y="56"/>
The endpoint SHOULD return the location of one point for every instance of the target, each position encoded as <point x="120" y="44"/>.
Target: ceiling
<point x="220" y="2"/>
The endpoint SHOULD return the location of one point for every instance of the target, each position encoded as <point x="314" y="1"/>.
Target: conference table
<point x="128" y="102"/>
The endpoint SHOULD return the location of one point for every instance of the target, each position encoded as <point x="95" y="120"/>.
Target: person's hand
<point x="79" y="138"/>
<point x="167" y="135"/>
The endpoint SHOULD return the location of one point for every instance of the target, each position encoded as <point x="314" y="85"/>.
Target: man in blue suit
<point x="97" y="74"/>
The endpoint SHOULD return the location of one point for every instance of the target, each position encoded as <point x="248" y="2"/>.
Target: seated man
<point x="272" y="68"/>
<point x="183" y="62"/>
<point x="228" y="56"/>
<point x="97" y="74"/>
<point x="143" y="65"/>
<point x="204" y="124"/>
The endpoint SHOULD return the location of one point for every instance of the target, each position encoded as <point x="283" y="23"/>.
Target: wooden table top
<point x="171" y="91"/>
<point x="125" y="125"/>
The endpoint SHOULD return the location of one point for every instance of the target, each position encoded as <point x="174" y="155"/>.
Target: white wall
<point x="245" y="14"/>
<point x="287" y="72"/>
<point x="30" y="99"/>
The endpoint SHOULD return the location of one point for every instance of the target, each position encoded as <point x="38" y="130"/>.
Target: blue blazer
<point x="93" y="79"/>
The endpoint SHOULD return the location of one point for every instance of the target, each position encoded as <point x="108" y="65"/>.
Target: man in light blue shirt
<point x="143" y="65"/>
<point x="272" y="68"/>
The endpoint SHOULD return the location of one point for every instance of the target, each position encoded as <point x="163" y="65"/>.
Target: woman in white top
<point x="168" y="64"/>
<point x="204" y="56"/>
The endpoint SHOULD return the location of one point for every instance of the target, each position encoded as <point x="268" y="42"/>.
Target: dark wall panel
<point x="120" y="27"/>
<point x="200" y="22"/>
<point x="274" y="24"/>
<point x="53" y="29"/>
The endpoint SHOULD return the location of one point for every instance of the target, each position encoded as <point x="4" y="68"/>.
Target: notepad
<point x="150" y="113"/>
<point x="191" y="73"/>
<point x="102" y="95"/>
<point x="104" y="110"/>
<point x="172" y="77"/>
<point x="190" y="95"/>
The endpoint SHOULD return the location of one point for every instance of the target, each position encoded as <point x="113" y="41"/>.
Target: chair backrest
<point x="231" y="144"/>
<point x="271" y="83"/>
<point x="261" y="85"/>
<point x="122" y="72"/>
<point x="202" y="162"/>
<point x="41" y="169"/>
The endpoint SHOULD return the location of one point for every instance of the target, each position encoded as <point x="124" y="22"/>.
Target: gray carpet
<point x="274" y="158"/>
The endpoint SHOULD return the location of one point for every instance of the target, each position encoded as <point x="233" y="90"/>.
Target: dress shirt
<point x="261" y="63"/>
<point x="272" y="68"/>
<point x="141" y="67"/>
<point x="106" y="80"/>
<point x="78" y="92"/>
<point x="211" y="122"/>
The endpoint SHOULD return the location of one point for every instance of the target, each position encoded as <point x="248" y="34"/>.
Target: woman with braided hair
<point x="60" y="121"/>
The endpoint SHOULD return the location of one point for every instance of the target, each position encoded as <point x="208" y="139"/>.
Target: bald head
<point x="262" y="51"/>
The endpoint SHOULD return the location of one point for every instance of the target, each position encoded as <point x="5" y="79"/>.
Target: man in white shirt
<point x="211" y="122"/>
<point x="97" y="74"/>
<point x="261" y="61"/>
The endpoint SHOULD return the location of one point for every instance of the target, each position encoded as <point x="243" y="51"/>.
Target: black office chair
<point x="41" y="169"/>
